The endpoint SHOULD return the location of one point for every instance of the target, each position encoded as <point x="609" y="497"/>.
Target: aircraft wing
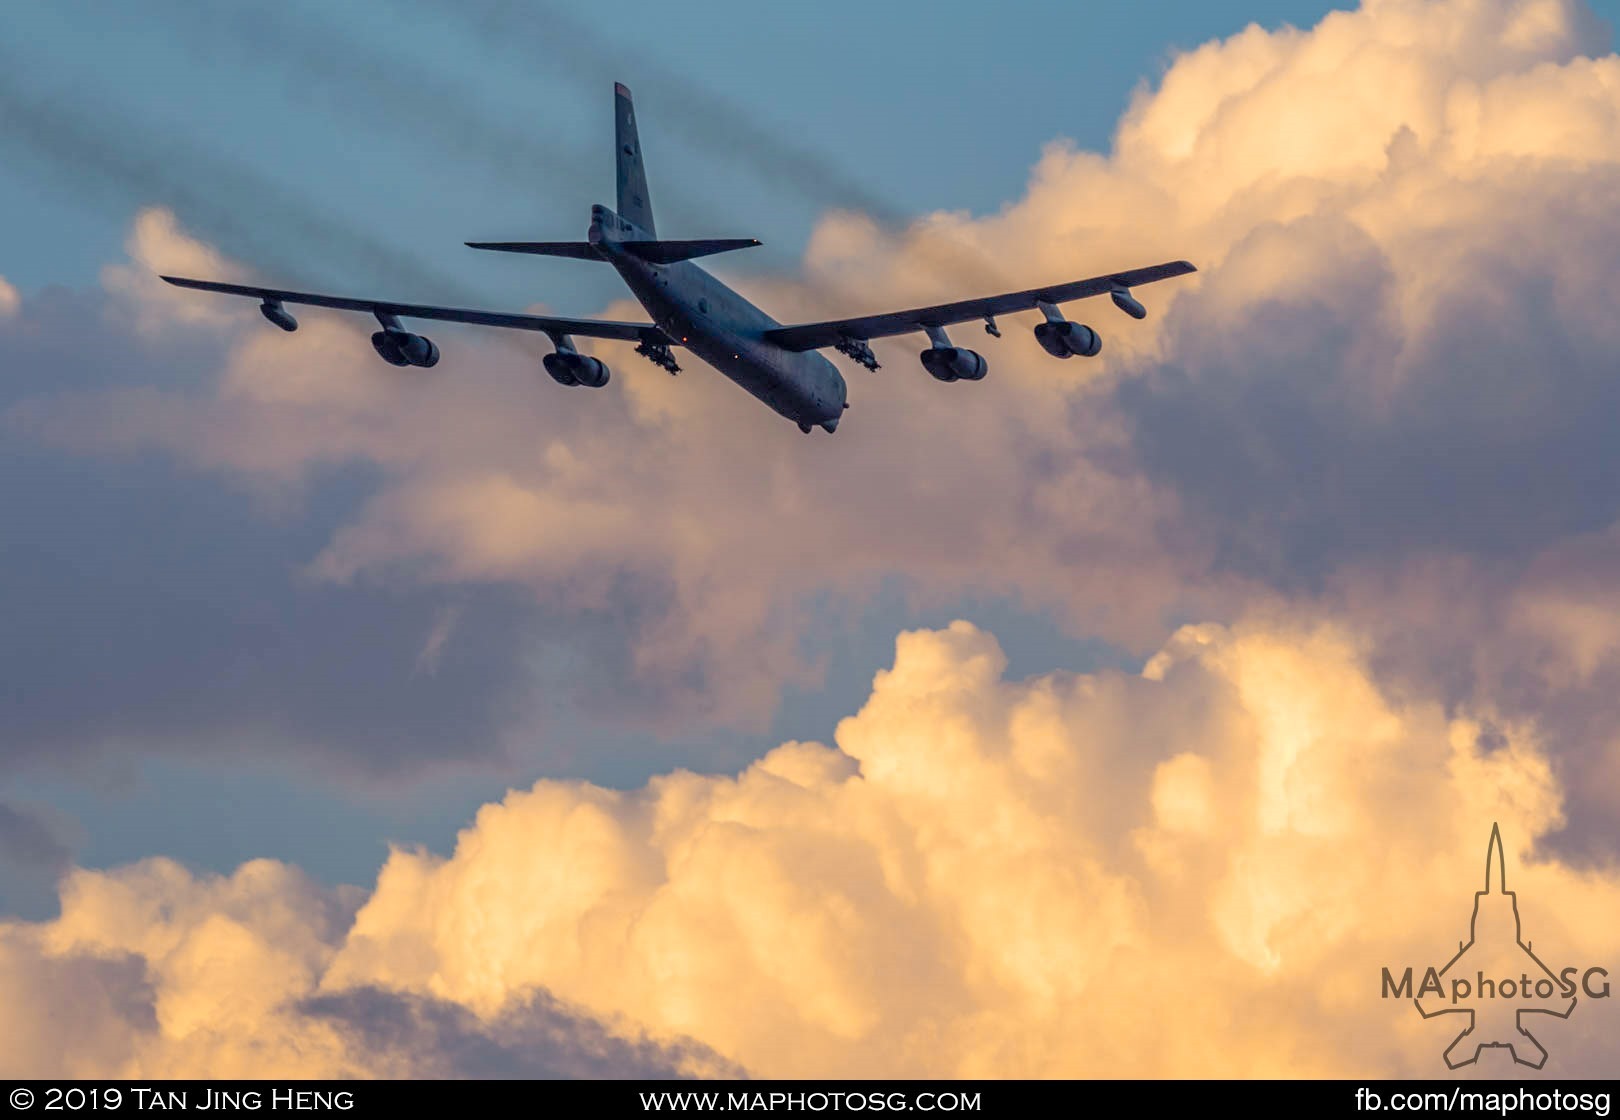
<point x="546" y="324"/>
<point x="812" y="336"/>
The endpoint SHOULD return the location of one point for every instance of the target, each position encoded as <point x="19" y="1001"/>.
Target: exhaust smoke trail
<point x="705" y="118"/>
<point x="414" y="95"/>
<point x="108" y="159"/>
<point x="111" y="159"/>
<point x="352" y="73"/>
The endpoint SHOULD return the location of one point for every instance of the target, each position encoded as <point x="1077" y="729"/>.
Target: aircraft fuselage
<point x="713" y="321"/>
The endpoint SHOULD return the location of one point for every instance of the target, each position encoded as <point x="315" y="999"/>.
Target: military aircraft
<point x="691" y="309"/>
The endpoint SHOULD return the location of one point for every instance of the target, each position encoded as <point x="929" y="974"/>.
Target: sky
<point x="550" y="724"/>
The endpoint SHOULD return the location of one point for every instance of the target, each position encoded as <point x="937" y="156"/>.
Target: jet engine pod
<point x="400" y="348"/>
<point x="1063" y="339"/>
<point x="277" y="314"/>
<point x="387" y="349"/>
<point x="560" y="369"/>
<point x="416" y="350"/>
<point x="570" y="368"/>
<point x="954" y="363"/>
<point x="591" y="372"/>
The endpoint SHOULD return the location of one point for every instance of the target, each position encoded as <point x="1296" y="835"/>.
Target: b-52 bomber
<point x="690" y="309"/>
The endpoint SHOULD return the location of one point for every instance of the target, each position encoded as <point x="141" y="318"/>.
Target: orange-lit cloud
<point x="1200" y="869"/>
<point x="158" y="246"/>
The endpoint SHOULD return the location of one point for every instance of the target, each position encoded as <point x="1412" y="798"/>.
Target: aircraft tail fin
<point x="635" y="203"/>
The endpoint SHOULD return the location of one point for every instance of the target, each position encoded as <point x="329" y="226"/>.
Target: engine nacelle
<point x="401" y="348"/>
<point x="387" y="350"/>
<point x="277" y="314"/>
<point x="1063" y="339"/>
<point x="418" y="351"/>
<point x="1128" y="303"/>
<point x="954" y="363"/>
<point x="567" y="367"/>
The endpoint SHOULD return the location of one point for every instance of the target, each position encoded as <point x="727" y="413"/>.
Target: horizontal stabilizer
<point x="578" y="250"/>
<point x="653" y="252"/>
<point x="668" y="252"/>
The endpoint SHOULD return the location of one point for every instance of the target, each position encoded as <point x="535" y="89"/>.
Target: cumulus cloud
<point x="10" y="301"/>
<point x="397" y="1035"/>
<point x="1069" y="875"/>
<point x="1198" y="869"/>
<point x="178" y="975"/>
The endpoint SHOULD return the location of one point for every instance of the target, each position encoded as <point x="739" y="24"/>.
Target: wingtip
<point x="622" y="90"/>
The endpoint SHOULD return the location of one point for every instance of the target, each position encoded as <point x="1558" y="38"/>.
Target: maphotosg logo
<point x="1496" y="979"/>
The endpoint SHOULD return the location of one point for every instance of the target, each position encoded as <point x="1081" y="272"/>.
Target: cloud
<point x="1062" y="876"/>
<point x="179" y="975"/>
<point x="1199" y="869"/>
<point x="109" y="998"/>
<point x="10" y="301"/>
<point x="153" y="609"/>
<point x="444" y="624"/>
<point x="158" y="246"/>
<point x="29" y="840"/>
<point x="157" y="613"/>
<point x="597" y="502"/>
<point x="535" y="1037"/>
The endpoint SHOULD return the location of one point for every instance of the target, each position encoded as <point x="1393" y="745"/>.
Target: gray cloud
<point x="1310" y="430"/>
<point x="102" y="1007"/>
<point x="400" y="1034"/>
<point x="29" y="840"/>
<point x="157" y="608"/>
